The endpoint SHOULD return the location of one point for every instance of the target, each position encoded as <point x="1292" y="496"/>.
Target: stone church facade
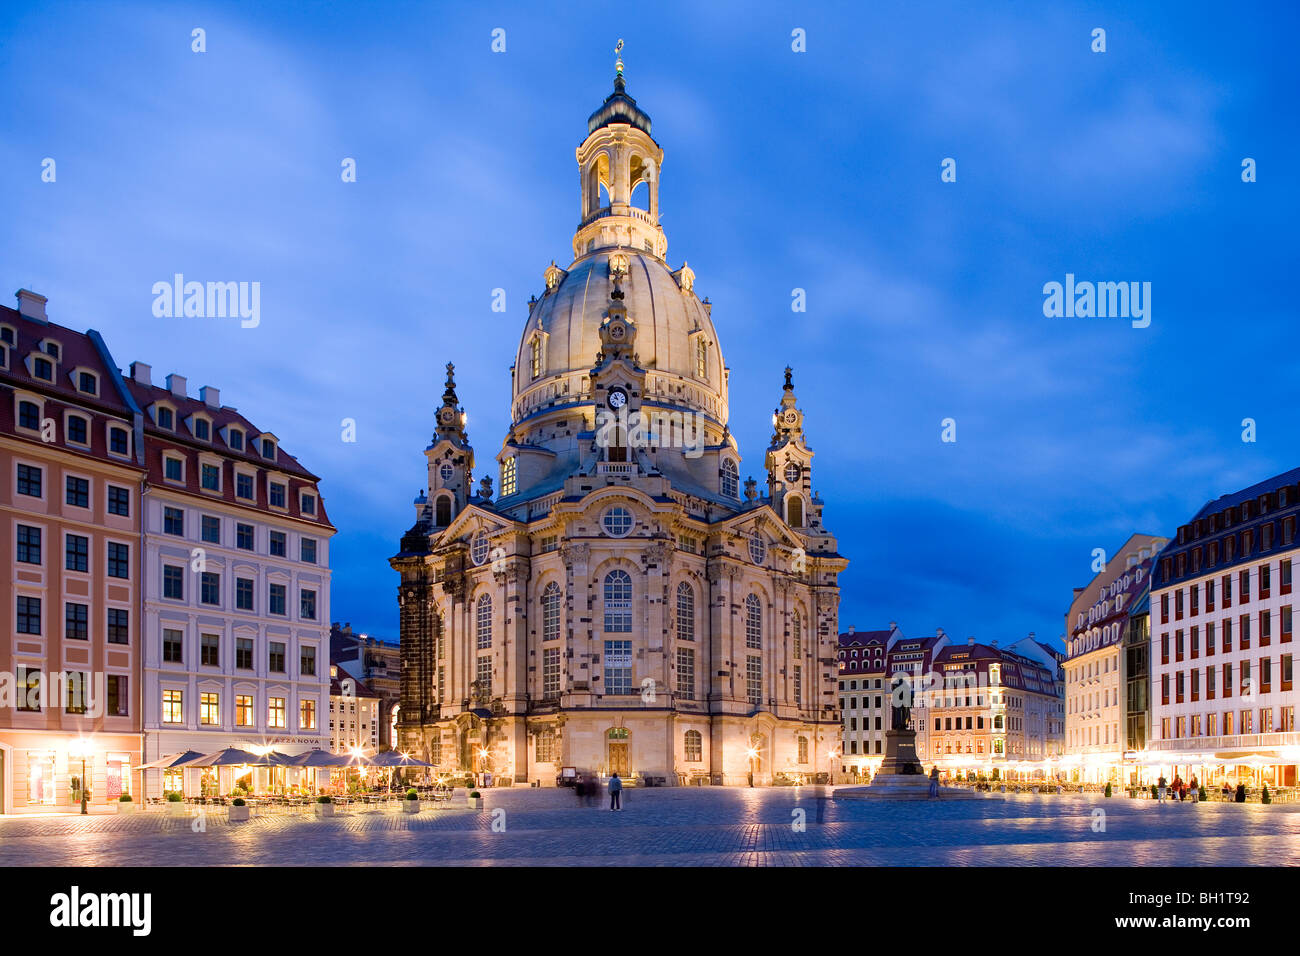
<point x="623" y="604"/>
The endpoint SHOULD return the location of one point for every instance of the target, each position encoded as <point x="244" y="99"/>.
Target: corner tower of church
<point x="623" y="604"/>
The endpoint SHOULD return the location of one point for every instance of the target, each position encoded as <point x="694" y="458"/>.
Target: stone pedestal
<point x="900" y="754"/>
<point x="901" y="776"/>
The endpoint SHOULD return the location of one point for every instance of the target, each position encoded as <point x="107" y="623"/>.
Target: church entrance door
<point x="618" y="759"/>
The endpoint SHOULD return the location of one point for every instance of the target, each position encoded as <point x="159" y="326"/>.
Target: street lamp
<point x="81" y="749"/>
<point x="830" y="770"/>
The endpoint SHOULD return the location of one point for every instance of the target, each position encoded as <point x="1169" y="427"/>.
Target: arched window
<point x="803" y="749"/>
<point x="794" y="511"/>
<point x="685" y="612"/>
<point x="753" y="621"/>
<point x="694" y="746"/>
<point x="796" y="635"/>
<point x="618" y="602"/>
<point x="701" y="358"/>
<point x="730" y="485"/>
<point x="442" y="511"/>
<point x="551" y="612"/>
<point x="483" y="621"/>
<point x="508" y="484"/>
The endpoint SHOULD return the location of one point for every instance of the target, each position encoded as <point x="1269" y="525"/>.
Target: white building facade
<point x="236" y="584"/>
<point x="1222" y="638"/>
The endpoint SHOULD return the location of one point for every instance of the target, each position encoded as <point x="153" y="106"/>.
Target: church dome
<point x="675" y="340"/>
<point x="620" y="246"/>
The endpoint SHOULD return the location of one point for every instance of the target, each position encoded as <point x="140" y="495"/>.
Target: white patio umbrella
<point x="171" y="760"/>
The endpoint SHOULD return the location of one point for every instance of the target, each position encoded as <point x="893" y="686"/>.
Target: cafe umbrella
<point x="170" y="762"/>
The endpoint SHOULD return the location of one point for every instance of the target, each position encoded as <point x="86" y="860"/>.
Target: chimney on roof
<point x="850" y="628"/>
<point x="938" y="632"/>
<point x="31" y="305"/>
<point x="176" y="385"/>
<point x="993" y="643"/>
<point x="141" y="373"/>
<point x="1031" y="635"/>
<point x="210" y="396"/>
<point x="970" y="642"/>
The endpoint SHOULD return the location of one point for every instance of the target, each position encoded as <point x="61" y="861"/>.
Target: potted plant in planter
<point x="125" y="804"/>
<point x="412" y="802"/>
<point x="324" y="806"/>
<point x="175" y="804"/>
<point x="238" y="810"/>
<point x="474" y="800"/>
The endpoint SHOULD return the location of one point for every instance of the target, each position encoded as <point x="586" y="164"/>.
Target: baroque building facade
<point x="625" y="604"/>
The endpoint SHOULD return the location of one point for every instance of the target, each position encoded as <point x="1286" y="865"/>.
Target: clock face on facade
<point x="791" y="417"/>
<point x="446" y="415"/>
<point x="616" y="331"/>
<point x="617" y="398"/>
<point x="792" y="473"/>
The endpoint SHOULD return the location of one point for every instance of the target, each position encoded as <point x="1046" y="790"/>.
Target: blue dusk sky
<point x="817" y="170"/>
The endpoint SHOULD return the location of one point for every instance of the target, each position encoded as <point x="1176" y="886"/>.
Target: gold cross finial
<point x="618" y="53"/>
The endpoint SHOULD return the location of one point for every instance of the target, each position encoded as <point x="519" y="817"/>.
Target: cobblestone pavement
<point x="684" y="827"/>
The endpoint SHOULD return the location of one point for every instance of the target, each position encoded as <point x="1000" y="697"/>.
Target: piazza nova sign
<point x="1103" y="624"/>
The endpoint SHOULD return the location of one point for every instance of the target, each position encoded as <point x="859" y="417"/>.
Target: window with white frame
<point x="685" y="612"/>
<point x="753" y="621"/>
<point x="618" y="602"/>
<point x="551" y="612"/>
<point x="483" y="621"/>
<point x="618" y="668"/>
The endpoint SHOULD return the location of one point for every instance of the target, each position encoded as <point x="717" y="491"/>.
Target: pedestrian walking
<point x="934" y="781"/>
<point x="615" y="793"/>
<point x="1195" y="788"/>
<point x="1160" y="788"/>
<point x="580" y="788"/>
<point x="1178" y="786"/>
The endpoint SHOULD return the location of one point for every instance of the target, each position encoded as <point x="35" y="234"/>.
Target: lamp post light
<point x="80" y="749"/>
<point x="751" y="753"/>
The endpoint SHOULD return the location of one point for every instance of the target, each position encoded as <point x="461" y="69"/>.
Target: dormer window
<point x="173" y="468"/>
<point x="78" y="430"/>
<point x="43" y="369"/>
<point x="29" y="416"/>
<point x="202" y="429"/>
<point x="509" y="480"/>
<point x="277" y="494"/>
<point x="729" y="483"/>
<point x="535" y="360"/>
<point x="88" y="383"/>
<point x="163" y="416"/>
<point x="308" y="504"/>
<point x="235" y="439"/>
<point x="701" y="358"/>
<point x="210" y="476"/>
<point x="7" y="335"/>
<point x="119" y="442"/>
<point x="268" y="448"/>
<point x="51" y="349"/>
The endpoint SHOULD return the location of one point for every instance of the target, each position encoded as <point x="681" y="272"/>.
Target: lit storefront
<point x="44" y="772"/>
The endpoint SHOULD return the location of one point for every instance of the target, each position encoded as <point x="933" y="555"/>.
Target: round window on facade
<point x="478" y="548"/>
<point x="757" y="549"/>
<point x="792" y="474"/>
<point x="446" y="472"/>
<point x="617" y="522"/>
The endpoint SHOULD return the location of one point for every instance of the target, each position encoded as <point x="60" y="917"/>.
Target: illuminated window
<point x="307" y="715"/>
<point x="275" y="712"/>
<point x="508" y="484"/>
<point x="243" y="710"/>
<point x="694" y="746"/>
<point x="209" y="708"/>
<point x="172" y="705"/>
<point x="730" y="482"/>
